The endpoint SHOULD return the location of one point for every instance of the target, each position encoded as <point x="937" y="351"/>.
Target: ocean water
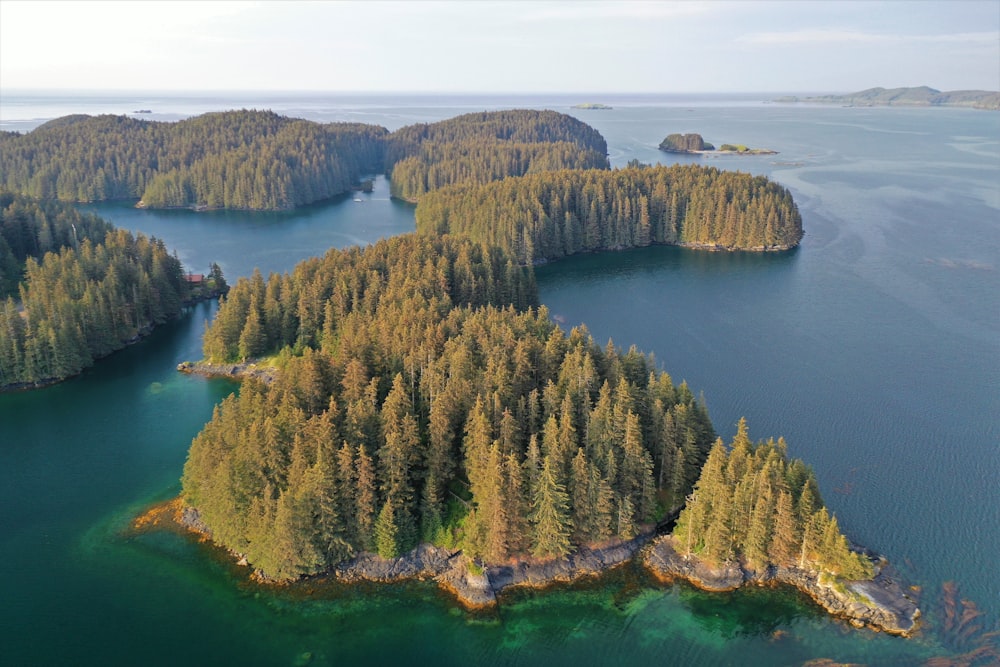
<point x="874" y="348"/>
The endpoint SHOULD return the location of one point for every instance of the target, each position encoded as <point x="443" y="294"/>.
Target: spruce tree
<point x="386" y="531"/>
<point x="786" y="534"/>
<point x="550" y="515"/>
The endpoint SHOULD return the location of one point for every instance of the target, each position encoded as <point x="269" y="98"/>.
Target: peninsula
<point x="546" y="216"/>
<point x="488" y="449"/>
<point x="920" y="96"/>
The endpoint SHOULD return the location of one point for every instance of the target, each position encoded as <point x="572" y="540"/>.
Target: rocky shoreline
<point x="714" y="152"/>
<point x="238" y="371"/>
<point x="473" y="586"/>
<point x="880" y="604"/>
<point x="140" y="334"/>
<point x="715" y="247"/>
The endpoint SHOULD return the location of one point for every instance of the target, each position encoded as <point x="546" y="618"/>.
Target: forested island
<point x="426" y="406"/>
<point x="920" y="96"/>
<point x="75" y="289"/>
<point x="425" y="417"/>
<point x="536" y="184"/>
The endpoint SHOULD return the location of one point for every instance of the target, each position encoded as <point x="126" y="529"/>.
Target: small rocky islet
<point x="694" y="144"/>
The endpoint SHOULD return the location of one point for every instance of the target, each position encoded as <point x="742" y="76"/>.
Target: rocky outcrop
<point x="474" y="586"/>
<point x="685" y="143"/>
<point x="190" y="518"/>
<point x="585" y="562"/>
<point x="424" y="562"/>
<point x="470" y="584"/>
<point x="234" y="371"/>
<point x="716" y="247"/>
<point x="880" y="603"/>
<point x="477" y="587"/>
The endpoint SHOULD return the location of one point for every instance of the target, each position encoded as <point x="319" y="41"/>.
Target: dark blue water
<point x="874" y="349"/>
<point x="240" y="241"/>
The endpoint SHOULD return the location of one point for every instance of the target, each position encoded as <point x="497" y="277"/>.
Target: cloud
<point x="832" y="37"/>
<point x="588" y="11"/>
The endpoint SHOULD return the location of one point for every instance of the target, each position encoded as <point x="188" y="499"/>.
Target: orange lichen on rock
<point x="159" y="515"/>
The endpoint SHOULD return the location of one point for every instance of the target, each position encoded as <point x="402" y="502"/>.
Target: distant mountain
<point x="921" y="96"/>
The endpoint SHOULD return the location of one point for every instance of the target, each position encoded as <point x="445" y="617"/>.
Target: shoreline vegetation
<point x="73" y="290"/>
<point x="546" y="216"/>
<point x="880" y="604"/>
<point x="140" y="335"/>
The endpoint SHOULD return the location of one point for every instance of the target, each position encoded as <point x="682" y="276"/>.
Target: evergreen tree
<point x="386" y="532"/>
<point x="743" y="507"/>
<point x="366" y="501"/>
<point x="785" y="536"/>
<point x="550" y="515"/>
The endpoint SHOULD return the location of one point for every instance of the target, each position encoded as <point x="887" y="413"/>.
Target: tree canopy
<point x="258" y="160"/>
<point x="83" y="303"/>
<point x="489" y="146"/>
<point x="32" y="228"/>
<point x="754" y="505"/>
<point x="554" y="214"/>
<point x="234" y="159"/>
<point x="425" y="395"/>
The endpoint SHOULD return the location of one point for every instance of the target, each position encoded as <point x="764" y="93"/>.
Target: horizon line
<point x="306" y="91"/>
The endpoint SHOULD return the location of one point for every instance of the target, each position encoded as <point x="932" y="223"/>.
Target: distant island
<point x="591" y="105"/>
<point x="919" y="96"/>
<point x="693" y="144"/>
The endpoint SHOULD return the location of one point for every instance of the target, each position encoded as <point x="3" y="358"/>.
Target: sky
<point x="482" y="46"/>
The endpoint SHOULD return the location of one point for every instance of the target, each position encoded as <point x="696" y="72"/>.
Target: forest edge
<point x="881" y="604"/>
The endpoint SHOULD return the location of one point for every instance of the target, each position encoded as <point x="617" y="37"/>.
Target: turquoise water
<point x="874" y="348"/>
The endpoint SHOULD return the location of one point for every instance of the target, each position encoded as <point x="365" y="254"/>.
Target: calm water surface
<point x="874" y="349"/>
